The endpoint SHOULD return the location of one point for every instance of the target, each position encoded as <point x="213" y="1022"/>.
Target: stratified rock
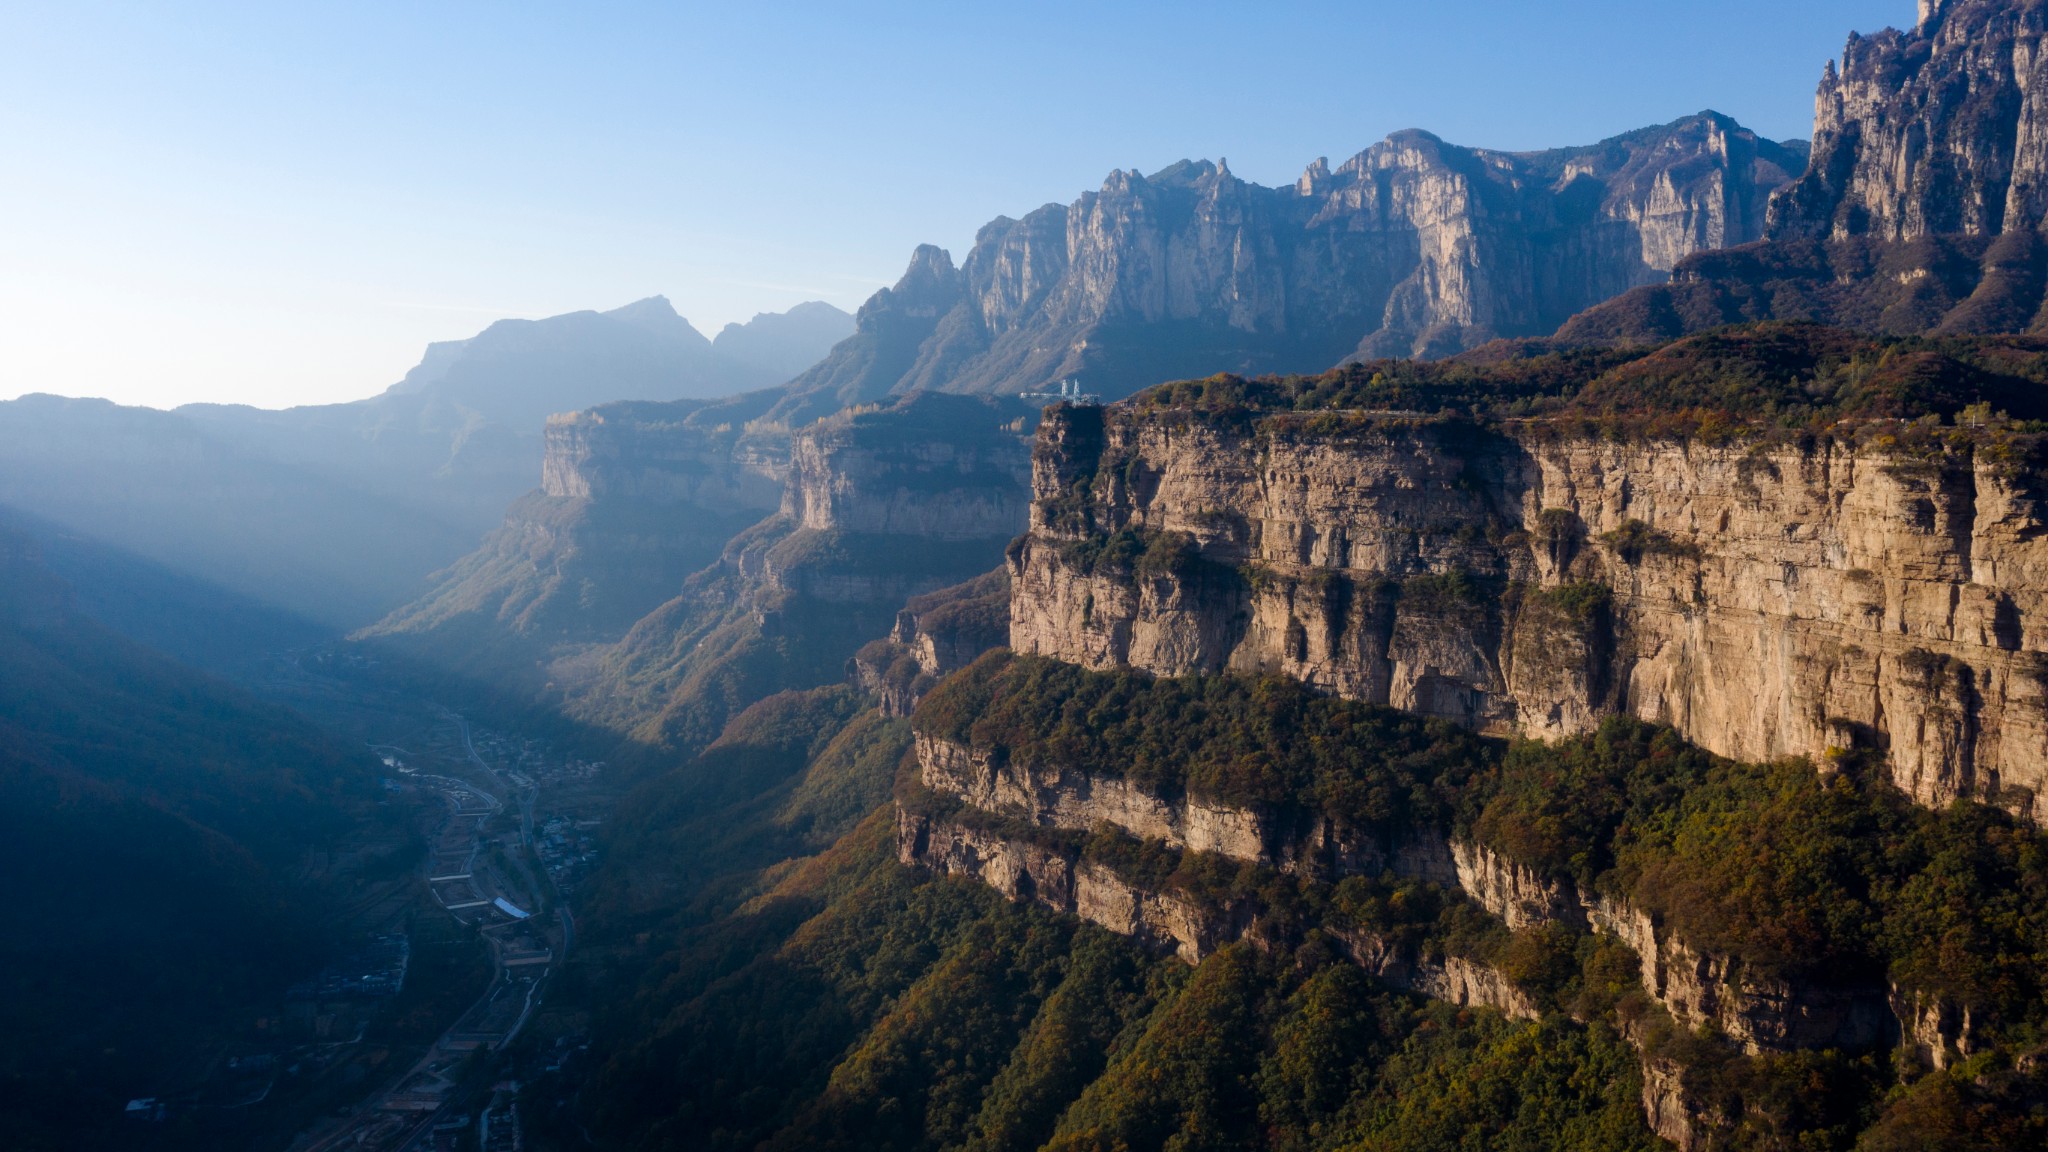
<point x="936" y="634"/>
<point x="634" y="498"/>
<point x="1767" y="599"/>
<point x="877" y="505"/>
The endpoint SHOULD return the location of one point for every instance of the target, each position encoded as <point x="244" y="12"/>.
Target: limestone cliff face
<point x="1054" y="796"/>
<point x="891" y="479"/>
<point x="1942" y="129"/>
<point x="1513" y="891"/>
<point x="1938" y="1033"/>
<point x="1757" y="1011"/>
<point x="1025" y="871"/>
<point x="656" y="454"/>
<point x="1760" y="1012"/>
<point x="879" y="504"/>
<point x="935" y="635"/>
<point x="1921" y="208"/>
<point x="1169" y="919"/>
<point x="1412" y="247"/>
<point x="1675" y="1114"/>
<point x="1765" y="600"/>
<point x="634" y="498"/>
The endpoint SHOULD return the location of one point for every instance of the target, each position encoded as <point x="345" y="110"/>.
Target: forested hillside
<point x="156" y="827"/>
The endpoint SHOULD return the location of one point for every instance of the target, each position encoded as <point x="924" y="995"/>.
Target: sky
<point x="283" y="203"/>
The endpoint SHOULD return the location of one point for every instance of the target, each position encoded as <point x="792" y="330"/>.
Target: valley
<point x="1470" y="648"/>
<point x="511" y="839"/>
<point x="440" y="954"/>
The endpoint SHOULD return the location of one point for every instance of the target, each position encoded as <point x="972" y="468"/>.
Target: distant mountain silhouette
<point x="783" y="344"/>
<point x="340" y="511"/>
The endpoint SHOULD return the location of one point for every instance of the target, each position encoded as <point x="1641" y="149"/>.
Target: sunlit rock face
<point x="1412" y="247"/>
<point x="1765" y="600"/>
<point x="1942" y="129"/>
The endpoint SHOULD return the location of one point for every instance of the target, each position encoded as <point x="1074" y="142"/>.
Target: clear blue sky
<point x="280" y="203"/>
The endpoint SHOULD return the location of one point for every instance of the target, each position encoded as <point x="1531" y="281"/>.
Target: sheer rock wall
<point x="1764" y="599"/>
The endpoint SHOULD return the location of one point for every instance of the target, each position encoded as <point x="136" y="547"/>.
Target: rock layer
<point x="1766" y="600"/>
<point x="1072" y="799"/>
<point x="935" y="635"/>
<point x="1170" y="920"/>
<point x="879" y="505"/>
<point x="1758" y="1011"/>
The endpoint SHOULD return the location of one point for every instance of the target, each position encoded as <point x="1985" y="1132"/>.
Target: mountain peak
<point x="929" y="262"/>
<point x="1898" y="154"/>
<point x="785" y="343"/>
<point x="655" y="314"/>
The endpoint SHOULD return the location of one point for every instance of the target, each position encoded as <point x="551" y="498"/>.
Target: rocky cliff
<point x="1147" y="825"/>
<point x="1177" y="920"/>
<point x="1782" y="542"/>
<point x="1766" y="596"/>
<point x="1414" y="246"/>
<point x="680" y="453"/>
<point x="1761" y="1012"/>
<point x="935" y="635"/>
<point x="918" y="473"/>
<point x="634" y="498"/>
<point x="1937" y="130"/>
<point x="876" y="505"/>
<point x="1920" y="211"/>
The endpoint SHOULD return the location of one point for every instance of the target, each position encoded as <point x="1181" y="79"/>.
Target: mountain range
<point x="1749" y="612"/>
<point x="340" y="511"/>
<point x="1414" y="247"/>
<point x="1921" y="210"/>
<point x="1558" y="669"/>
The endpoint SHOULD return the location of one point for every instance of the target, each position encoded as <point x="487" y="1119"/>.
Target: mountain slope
<point x="153" y="825"/>
<point x="160" y="485"/>
<point x="782" y="344"/>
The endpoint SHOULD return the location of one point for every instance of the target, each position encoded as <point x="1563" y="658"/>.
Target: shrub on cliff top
<point x="1743" y="381"/>
<point x="1781" y="866"/>
<point x="1230" y="739"/>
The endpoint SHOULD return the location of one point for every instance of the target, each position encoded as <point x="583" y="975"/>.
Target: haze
<point x="280" y="205"/>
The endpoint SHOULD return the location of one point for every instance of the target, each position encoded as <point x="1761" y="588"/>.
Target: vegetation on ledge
<point x="1264" y="741"/>
<point x="1834" y="875"/>
<point x="1769" y="380"/>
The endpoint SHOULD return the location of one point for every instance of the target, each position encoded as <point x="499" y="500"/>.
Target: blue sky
<point x="282" y="203"/>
